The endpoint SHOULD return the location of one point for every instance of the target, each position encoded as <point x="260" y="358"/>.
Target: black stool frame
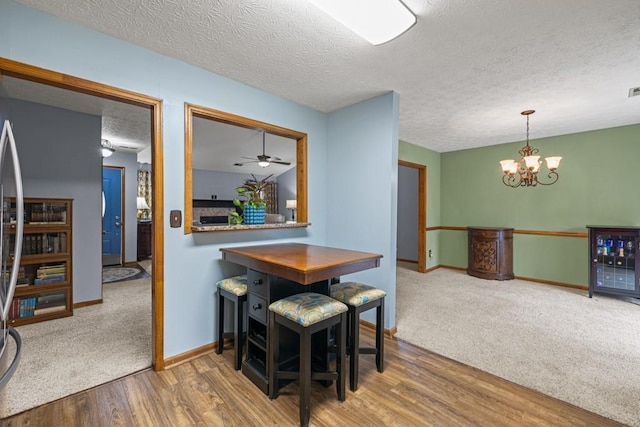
<point x="305" y="374"/>
<point x="354" y="349"/>
<point x="238" y="322"/>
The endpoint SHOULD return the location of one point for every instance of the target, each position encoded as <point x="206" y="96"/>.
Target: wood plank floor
<point x="418" y="388"/>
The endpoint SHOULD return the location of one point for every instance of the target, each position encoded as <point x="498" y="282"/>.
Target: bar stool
<point x="360" y="298"/>
<point x="306" y="314"/>
<point x="233" y="289"/>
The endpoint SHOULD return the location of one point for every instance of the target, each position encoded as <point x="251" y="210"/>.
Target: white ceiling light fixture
<point x="634" y="91"/>
<point x="377" y="21"/>
<point x="107" y="148"/>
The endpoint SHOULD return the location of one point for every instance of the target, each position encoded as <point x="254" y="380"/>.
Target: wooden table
<point x="304" y="264"/>
<point x="279" y="270"/>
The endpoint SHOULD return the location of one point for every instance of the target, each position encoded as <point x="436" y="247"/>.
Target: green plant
<point x="251" y="190"/>
<point x="234" y="217"/>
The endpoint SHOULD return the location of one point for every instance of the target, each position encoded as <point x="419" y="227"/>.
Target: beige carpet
<point x="97" y="344"/>
<point x="551" y="339"/>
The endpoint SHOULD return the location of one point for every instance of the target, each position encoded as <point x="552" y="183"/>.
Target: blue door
<point x="111" y="216"/>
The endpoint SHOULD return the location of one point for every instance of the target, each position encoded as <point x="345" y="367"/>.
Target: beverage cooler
<point x="614" y="254"/>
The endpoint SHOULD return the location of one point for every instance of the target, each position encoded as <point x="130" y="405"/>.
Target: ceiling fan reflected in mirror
<point x="262" y="159"/>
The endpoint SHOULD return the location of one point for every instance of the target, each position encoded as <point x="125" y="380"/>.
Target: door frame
<point x="422" y="212"/>
<point x="123" y="229"/>
<point x="64" y="81"/>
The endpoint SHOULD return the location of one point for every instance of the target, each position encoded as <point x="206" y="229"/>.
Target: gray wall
<point x="130" y="211"/>
<point x="286" y="191"/>
<point x="3" y="114"/>
<point x="407" y="213"/>
<point x="59" y="153"/>
<point x="221" y="184"/>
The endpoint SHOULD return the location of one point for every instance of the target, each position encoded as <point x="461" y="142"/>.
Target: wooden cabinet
<point x="44" y="288"/>
<point x="144" y="239"/>
<point x="614" y="261"/>
<point x="490" y="253"/>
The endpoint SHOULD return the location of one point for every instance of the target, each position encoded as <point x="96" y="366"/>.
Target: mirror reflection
<point x="225" y="151"/>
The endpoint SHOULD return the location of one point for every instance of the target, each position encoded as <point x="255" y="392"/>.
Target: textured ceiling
<point x="464" y="71"/>
<point x="217" y="146"/>
<point x="126" y="126"/>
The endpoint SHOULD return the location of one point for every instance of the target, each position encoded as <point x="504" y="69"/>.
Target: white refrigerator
<point x="10" y="186"/>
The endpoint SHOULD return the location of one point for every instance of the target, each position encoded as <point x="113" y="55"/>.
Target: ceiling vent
<point x="634" y="91"/>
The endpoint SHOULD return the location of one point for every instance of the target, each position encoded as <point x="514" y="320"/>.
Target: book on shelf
<point x="52" y="273"/>
<point x="51" y="297"/>
<point x="51" y="309"/>
<point x="50" y="270"/>
<point x="45" y="243"/>
<point x="47" y="214"/>
<point x="15" y="309"/>
<point x="45" y="222"/>
<point x="26" y="307"/>
<point x="52" y="303"/>
<point x="50" y="266"/>
<point x="49" y="302"/>
<point x="53" y="278"/>
<point x="20" y="281"/>
<point x="47" y="280"/>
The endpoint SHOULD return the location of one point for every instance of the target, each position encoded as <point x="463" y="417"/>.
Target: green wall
<point x="598" y="185"/>
<point x="431" y="159"/>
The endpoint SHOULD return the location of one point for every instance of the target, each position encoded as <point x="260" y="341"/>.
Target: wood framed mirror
<point x="258" y="131"/>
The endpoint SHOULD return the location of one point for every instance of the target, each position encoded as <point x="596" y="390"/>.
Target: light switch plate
<point x="175" y="219"/>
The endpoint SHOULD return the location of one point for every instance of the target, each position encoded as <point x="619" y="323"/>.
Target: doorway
<point x="154" y="106"/>
<point x="112" y="216"/>
<point x="412" y="214"/>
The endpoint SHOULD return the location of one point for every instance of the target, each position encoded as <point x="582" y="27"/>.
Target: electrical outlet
<point x="175" y="219"/>
<point x="430" y="254"/>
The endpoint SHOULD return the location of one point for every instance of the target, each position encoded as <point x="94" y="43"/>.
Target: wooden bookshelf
<point x="45" y="281"/>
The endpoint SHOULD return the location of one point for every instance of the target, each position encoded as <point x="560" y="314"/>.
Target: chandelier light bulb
<point x="553" y="163"/>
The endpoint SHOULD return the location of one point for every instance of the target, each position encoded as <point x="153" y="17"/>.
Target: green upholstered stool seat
<point x="232" y="289"/>
<point x="355" y="294"/>
<point x="308" y="308"/>
<point x="236" y="285"/>
<point x="360" y="298"/>
<point x="306" y="314"/>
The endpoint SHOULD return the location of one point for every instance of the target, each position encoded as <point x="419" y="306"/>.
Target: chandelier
<point x="528" y="166"/>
